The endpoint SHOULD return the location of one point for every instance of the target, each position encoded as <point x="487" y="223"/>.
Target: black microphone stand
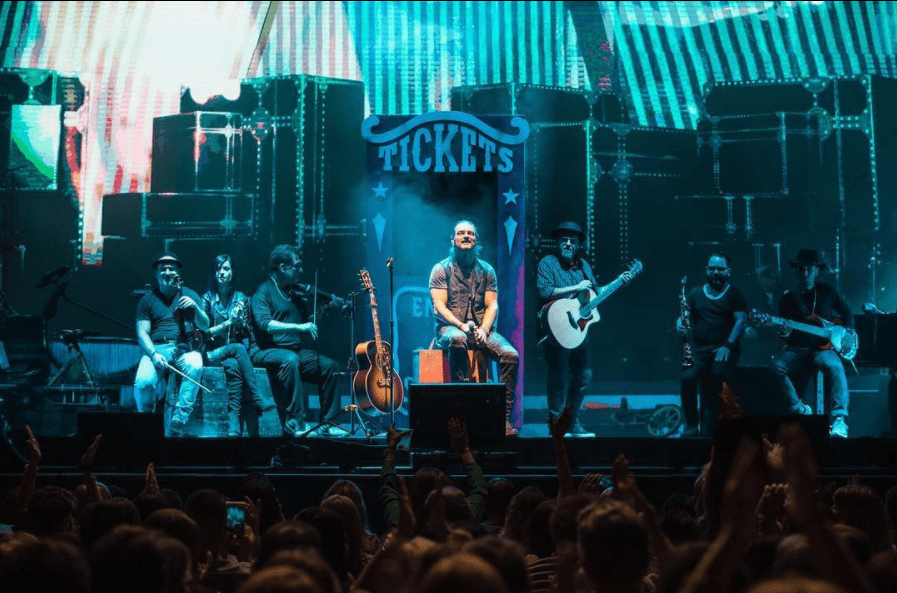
<point x="352" y="371"/>
<point x="392" y="340"/>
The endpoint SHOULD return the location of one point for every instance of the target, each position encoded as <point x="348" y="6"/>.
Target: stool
<point x="433" y="366"/>
<point x="209" y="416"/>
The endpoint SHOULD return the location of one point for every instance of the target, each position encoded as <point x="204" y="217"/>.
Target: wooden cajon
<point x="209" y="418"/>
<point x="433" y="366"/>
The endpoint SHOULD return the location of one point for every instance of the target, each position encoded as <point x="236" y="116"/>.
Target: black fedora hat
<point x="167" y="257"/>
<point x="568" y="228"/>
<point x="808" y="257"/>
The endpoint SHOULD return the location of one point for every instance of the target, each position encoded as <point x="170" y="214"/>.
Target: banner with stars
<point x="425" y="173"/>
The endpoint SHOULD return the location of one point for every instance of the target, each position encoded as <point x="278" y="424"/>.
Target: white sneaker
<point x="839" y="428"/>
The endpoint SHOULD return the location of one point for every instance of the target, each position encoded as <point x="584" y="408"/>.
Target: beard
<point x="717" y="281"/>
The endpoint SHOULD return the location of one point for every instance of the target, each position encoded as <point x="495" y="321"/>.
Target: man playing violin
<point x="465" y="300"/>
<point x="166" y="317"/>
<point x="280" y="319"/>
<point x="802" y="351"/>
<point x="229" y="334"/>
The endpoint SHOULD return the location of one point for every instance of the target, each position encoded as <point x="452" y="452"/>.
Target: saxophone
<point x="684" y="314"/>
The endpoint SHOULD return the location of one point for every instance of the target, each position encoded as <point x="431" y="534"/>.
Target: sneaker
<point x="177" y="428"/>
<point x="510" y="431"/>
<point x="295" y="428"/>
<point x="802" y="409"/>
<point x="328" y="430"/>
<point x="839" y="428"/>
<point x="578" y="431"/>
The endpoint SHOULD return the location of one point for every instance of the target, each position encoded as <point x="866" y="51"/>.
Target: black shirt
<point x="823" y="301"/>
<point x="712" y="319"/>
<point x="159" y="311"/>
<point x="270" y="303"/>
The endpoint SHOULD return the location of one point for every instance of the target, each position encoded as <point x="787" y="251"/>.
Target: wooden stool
<point x="209" y="417"/>
<point x="433" y="366"/>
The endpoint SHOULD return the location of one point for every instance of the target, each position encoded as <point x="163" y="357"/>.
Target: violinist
<point x="280" y="319"/>
<point x="166" y="319"/>
<point x="229" y="332"/>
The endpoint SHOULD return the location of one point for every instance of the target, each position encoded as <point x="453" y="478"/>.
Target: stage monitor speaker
<point x="130" y="439"/>
<point x="481" y="406"/>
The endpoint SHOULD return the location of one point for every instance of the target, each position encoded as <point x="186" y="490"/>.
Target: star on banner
<point x="380" y="191"/>
<point x="510" y="196"/>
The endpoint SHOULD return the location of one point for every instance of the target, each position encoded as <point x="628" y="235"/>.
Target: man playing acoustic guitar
<point x="465" y="299"/>
<point x="814" y="300"/>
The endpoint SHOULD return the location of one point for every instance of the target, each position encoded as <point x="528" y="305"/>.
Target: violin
<point x="188" y="333"/>
<point x="326" y="301"/>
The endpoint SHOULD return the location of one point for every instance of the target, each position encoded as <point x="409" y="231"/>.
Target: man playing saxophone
<point x="717" y="314"/>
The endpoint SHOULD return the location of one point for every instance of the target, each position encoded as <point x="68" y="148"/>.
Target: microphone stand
<point x="392" y="340"/>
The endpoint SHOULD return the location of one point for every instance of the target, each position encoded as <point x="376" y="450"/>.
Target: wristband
<point x="729" y="345"/>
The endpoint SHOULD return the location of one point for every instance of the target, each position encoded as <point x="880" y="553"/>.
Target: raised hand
<point x="253" y="514"/>
<point x="771" y="510"/>
<point x="801" y="472"/>
<point x="394" y="437"/>
<point x="91" y="454"/>
<point x="34" y="449"/>
<point x="590" y="483"/>
<point x="152" y="483"/>
<point x="743" y="489"/>
<point x="458" y="432"/>
<point x="559" y="426"/>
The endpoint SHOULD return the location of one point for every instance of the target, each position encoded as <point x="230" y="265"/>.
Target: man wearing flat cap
<point x="565" y="274"/>
<point x="164" y="343"/>
<point x="802" y="351"/>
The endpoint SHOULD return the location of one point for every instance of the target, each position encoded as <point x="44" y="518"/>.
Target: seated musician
<point x="802" y="351"/>
<point x="166" y="318"/>
<point x="280" y="318"/>
<point x="228" y="311"/>
<point x="465" y="300"/>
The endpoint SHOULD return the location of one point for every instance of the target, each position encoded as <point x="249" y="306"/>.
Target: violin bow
<point x="314" y="316"/>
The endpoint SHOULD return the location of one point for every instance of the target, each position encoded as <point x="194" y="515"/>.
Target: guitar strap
<point x="802" y="305"/>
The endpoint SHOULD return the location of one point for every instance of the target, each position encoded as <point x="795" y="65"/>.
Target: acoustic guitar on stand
<point x="372" y="381"/>
<point x="567" y="320"/>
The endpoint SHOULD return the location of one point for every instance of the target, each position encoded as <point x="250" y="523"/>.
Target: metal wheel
<point x="664" y="420"/>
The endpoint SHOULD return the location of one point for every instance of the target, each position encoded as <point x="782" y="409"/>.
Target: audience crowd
<point x="756" y="521"/>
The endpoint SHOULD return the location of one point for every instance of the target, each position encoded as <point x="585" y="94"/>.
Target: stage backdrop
<point x="426" y="173"/>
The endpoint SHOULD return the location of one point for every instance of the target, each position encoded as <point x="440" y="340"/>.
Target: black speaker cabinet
<point x="130" y="439"/>
<point x="481" y="406"/>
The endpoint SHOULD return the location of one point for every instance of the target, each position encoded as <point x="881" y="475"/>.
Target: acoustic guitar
<point x="372" y="385"/>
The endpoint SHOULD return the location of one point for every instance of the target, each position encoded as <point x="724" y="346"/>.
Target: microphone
<point x="389" y="262"/>
<point x="50" y="277"/>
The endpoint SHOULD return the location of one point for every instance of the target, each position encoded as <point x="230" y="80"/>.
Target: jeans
<point x="709" y="375"/>
<point x="496" y="348"/>
<point x="291" y="368"/>
<point x="238" y="374"/>
<point x="795" y="360"/>
<point x="146" y="382"/>
<point x="577" y="360"/>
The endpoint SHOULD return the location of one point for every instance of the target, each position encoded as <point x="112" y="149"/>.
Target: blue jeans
<point x="146" y="382"/>
<point x="496" y="348"/>
<point x="794" y="360"/>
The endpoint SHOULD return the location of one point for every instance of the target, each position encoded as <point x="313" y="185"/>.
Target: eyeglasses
<point x="716" y="269"/>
